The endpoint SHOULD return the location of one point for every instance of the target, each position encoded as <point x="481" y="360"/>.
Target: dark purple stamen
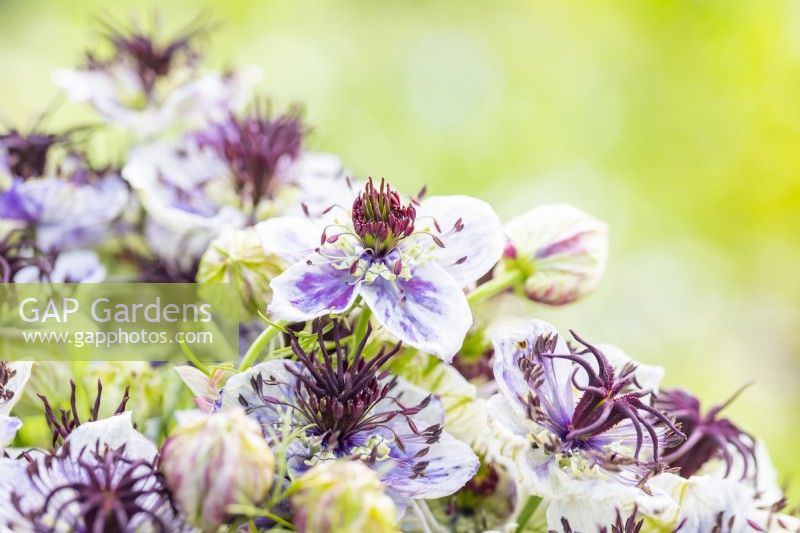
<point x="68" y="421"/>
<point x="27" y="153"/>
<point x="149" y="59"/>
<point x="620" y="525"/>
<point x="381" y="220"/>
<point x="255" y="147"/>
<point x="102" y="491"/>
<point x="18" y="252"/>
<point x="336" y="394"/>
<point x="709" y="435"/>
<point x="606" y="400"/>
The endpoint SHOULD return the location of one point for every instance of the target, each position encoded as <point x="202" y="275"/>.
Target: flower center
<point x="149" y="59"/>
<point x="709" y="436"/>
<point x="256" y="148"/>
<point x="337" y="395"/>
<point x="27" y="153"/>
<point x="606" y="399"/>
<point x="380" y="219"/>
<point x="101" y="490"/>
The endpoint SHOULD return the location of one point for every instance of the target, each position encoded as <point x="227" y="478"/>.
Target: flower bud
<point x="342" y="496"/>
<point x="216" y="461"/>
<point x="237" y="257"/>
<point x="560" y="250"/>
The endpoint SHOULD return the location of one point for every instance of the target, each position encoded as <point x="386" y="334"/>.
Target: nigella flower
<point x="66" y="202"/>
<point x="578" y="425"/>
<point x="13" y="377"/>
<point x="234" y="172"/>
<point x="407" y="260"/>
<point x="722" y="475"/>
<point x="347" y="407"/>
<point x="149" y="83"/>
<point x="104" y="477"/>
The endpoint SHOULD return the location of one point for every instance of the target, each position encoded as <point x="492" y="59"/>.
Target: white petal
<point x="291" y="238"/>
<point x="428" y="311"/>
<point x="595" y="504"/>
<point x="702" y="498"/>
<point x="16" y="384"/>
<point x="198" y="383"/>
<point x="470" y="253"/>
<point x="115" y="431"/>
<point x="648" y="376"/>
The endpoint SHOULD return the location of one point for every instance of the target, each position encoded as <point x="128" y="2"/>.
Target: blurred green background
<point x="676" y="121"/>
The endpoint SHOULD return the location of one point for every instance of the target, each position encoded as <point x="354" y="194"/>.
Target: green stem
<point x="495" y="286"/>
<point x="361" y="326"/>
<point x="259" y="344"/>
<point x="527" y="512"/>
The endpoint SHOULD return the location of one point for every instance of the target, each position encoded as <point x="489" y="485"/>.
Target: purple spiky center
<point x="99" y="490"/>
<point x="26" y="153"/>
<point x="381" y="219"/>
<point x="606" y="399"/>
<point x="336" y="393"/>
<point x="256" y="147"/>
<point x="709" y="435"/>
<point x="149" y="58"/>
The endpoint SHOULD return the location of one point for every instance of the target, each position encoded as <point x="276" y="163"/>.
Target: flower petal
<point x="278" y="383"/>
<point x="9" y="425"/>
<point x="595" y="503"/>
<point x="306" y="291"/>
<point x="450" y="464"/>
<point x="115" y="431"/>
<point x="428" y="311"/>
<point x="291" y="238"/>
<point x="16" y="384"/>
<point x="470" y="252"/>
<point x="556" y="389"/>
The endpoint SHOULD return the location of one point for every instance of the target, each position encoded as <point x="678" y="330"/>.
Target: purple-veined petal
<point x="291" y="238"/>
<point x="279" y="383"/>
<point x="469" y="252"/>
<point x="556" y="388"/>
<point x="9" y="425"/>
<point x="449" y="464"/>
<point x="11" y="203"/>
<point x="17" y="382"/>
<point x="305" y="291"/>
<point x="428" y="311"/>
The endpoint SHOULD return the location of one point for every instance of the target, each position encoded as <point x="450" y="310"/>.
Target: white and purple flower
<point x="149" y="84"/>
<point x="579" y="429"/>
<point x="347" y="407"/>
<point x="721" y="475"/>
<point x="67" y="203"/>
<point x="229" y="175"/>
<point x="408" y="262"/>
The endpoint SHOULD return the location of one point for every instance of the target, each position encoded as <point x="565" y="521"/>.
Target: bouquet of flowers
<point x="390" y="378"/>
